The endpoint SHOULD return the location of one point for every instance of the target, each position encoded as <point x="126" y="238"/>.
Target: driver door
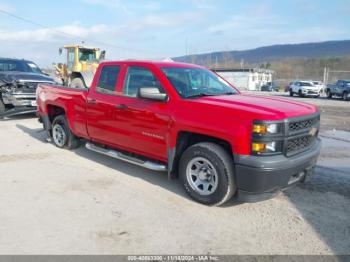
<point x="145" y="122"/>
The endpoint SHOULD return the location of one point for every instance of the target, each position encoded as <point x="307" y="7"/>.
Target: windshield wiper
<point x="200" y="95"/>
<point x="229" y="93"/>
<point x="209" y="94"/>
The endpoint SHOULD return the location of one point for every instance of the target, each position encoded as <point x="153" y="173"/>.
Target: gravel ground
<point x="56" y="201"/>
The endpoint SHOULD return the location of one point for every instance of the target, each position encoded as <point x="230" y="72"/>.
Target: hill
<point x="273" y="53"/>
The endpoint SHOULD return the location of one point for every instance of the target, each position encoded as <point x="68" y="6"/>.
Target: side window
<point x="108" y="79"/>
<point x="70" y="58"/>
<point x="138" y="77"/>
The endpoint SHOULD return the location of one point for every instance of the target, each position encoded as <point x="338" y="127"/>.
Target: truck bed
<point x="73" y="100"/>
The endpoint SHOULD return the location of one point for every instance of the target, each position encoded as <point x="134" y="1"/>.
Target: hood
<point x="25" y="77"/>
<point x="267" y="107"/>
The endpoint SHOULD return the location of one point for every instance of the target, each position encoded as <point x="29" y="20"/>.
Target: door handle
<point x="91" y="101"/>
<point x="122" y="106"/>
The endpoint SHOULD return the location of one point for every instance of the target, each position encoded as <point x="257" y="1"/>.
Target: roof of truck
<point x="156" y="63"/>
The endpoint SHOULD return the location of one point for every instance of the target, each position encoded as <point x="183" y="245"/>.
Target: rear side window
<point x="108" y="79"/>
<point x="138" y="77"/>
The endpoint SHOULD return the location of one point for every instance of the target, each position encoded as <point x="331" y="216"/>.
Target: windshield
<point x="19" y="66"/>
<point x="305" y="84"/>
<point x="190" y="82"/>
<point x="87" y="55"/>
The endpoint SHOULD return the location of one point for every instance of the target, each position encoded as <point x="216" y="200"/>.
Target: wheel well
<point x="186" y="139"/>
<point x="54" y="111"/>
<point x="76" y="75"/>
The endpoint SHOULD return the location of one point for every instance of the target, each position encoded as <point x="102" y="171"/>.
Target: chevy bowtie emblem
<point x="313" y="131"/>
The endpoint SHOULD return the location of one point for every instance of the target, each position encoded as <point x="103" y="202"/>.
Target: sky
<point x="137" y="29"/>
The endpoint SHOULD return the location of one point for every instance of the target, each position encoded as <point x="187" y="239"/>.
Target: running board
<point x="121" y="156"/>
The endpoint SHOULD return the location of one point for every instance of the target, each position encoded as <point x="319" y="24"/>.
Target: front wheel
<point x="300" y="93"/>
<point x="291" y="92"/>
<point x="206" y="172"/>
<point x="61" y="134"/>
<point x="77" y="83"/>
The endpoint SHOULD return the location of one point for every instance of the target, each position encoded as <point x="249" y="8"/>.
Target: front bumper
<point x="262" y="177"/>
<point x="309" y="92"/>
<point x="20" y="99"/>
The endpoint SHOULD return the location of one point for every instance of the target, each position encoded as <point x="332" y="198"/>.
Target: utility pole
<point x="186" y="46"/>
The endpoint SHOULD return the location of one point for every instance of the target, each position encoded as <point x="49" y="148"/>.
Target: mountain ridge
<point x="336" y="48"/>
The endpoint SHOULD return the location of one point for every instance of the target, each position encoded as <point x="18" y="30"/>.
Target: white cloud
<point x="54" y="34"/>
<point x="7" y="7"/>
<point x="115" y="4"/>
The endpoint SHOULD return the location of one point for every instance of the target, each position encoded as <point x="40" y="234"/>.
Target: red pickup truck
<point x="188" y="121"/>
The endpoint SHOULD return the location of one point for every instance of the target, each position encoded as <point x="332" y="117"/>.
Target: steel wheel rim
<point x="202" y="176"/>
<point x="59" y="135"/>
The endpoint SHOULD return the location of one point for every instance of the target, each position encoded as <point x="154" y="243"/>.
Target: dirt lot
<point x="79" y="202"/>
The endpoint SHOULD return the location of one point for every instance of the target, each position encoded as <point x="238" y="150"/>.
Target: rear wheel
<point x="77" y="83"/>
<point x="291" y="92"/>
<point x="61" y="134"/>
<point x="2" y="106"/>
<point x="345" y="96"/>
<point x="206" y="172"/>
<point x="328" y="93"/>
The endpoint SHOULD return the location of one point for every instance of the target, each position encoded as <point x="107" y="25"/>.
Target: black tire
<point x="77" y="83"/>
<point x="345" y="96"/>
<point x="2" y="107"/>
<point x="300" y="93"/>
<point x="291" y="92"/>
<point x="221" y="164"/>
<point x="329" y="94"/>
<point x="68" y="139"/>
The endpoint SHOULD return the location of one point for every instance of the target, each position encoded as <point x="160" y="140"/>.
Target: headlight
<point x="266" y="147"/>
<point x="266" y="128"/>
<point x="267" y="137"/>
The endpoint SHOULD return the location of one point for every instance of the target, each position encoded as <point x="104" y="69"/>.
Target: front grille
<point x="300" y="143"/>
<point x="31" y="85"/>
<point x="303" y="124"/>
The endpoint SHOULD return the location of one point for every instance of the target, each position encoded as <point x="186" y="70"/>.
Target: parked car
<point x="287" y="87"/>
<point x="190" y="122"/>
<point x="304" y="88"/>
<point x="319" y="85"/>
<point x="18" y="83"/>
<point x="341" y="88"/>
<point x="270" y="87"/>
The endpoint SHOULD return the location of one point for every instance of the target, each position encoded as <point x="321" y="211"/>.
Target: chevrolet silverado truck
<point x="18" y="83"/>
<point x="341" y="88"/>
<point x="188" y="121"/>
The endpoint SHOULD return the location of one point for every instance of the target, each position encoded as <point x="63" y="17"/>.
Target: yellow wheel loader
<point x="81" y="64"/>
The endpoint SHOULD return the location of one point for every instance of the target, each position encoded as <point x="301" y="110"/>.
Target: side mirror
<point x="152" y="93"/>
<point x="60" y="50"/>
<point x="102" y="55"/>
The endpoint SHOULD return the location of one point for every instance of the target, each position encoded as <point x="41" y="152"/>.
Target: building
<point x="246" y="79"/>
